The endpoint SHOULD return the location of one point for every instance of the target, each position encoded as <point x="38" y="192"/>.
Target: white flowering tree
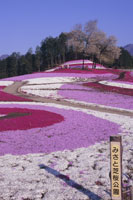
<point x="90" y="40"/>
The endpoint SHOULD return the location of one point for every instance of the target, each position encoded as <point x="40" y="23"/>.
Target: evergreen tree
<point x="37" y="59"/>
<point x="62" y="47"/>
<point x="3" y="69"/>
<point x="28" y="62"/>
<point x="12" y="65"/>
<point x="24" y="66"/>
<point x="125" y="60"/>
<point x="44" y="58"/>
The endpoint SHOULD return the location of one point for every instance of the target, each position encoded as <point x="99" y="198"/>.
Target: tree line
<point x="82" y="42"/>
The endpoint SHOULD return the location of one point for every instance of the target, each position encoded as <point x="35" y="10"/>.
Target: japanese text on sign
<point x="116" y="169"/>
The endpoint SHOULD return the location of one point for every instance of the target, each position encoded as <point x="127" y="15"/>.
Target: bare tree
<point x="93" y="42"/>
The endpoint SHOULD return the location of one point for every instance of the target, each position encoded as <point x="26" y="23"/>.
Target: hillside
<point x="129" y="48"/>
<point x="3" y="56"/>
<point x="55" y="128"/>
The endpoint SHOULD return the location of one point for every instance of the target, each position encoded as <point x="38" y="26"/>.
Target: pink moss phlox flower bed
<point x="77" y="130"/>
<point x="23" y="119"/>
<point x="68" y="73"/>
<point x="10" y="97"/>
<point x="2" y="87"/>
<point x="48" y="74"/>
<point x="107" y="88"/>
<point x="94" y="95"/>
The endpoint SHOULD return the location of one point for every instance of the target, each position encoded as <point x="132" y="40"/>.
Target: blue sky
<point x="25" y="23"/>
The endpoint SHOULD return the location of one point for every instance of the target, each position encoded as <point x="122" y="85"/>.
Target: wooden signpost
<point x="116" y="167"/>
<point x="117" y="191"/>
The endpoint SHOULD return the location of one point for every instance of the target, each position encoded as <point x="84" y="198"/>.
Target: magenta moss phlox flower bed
<point x="107" y="88"/>
<point x="10" y="97"/>
<point x="94" y="95"/>
<point x="23" y="119"/>
<point x="77" y="130"/>
<point x="88" y="71"/>
<point x="2" y="87"/>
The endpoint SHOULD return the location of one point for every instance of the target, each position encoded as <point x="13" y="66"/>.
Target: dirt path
<point x="15" y="90"/>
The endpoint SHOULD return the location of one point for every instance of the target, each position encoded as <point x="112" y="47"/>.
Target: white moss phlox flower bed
<point x="117" y="84"/>
<point x="6" y="83"/>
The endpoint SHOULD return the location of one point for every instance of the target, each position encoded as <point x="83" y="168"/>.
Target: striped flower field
<point x="54" y="133"/>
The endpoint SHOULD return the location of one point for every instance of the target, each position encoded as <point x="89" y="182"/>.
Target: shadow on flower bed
<point x="70" y="182"/>
<point x="122" y="75"/>
<point x="12" y="115"/>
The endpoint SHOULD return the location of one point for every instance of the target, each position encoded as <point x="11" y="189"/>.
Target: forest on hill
<point x="83" y="42"/>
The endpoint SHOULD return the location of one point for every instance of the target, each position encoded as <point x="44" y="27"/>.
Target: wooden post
<point x="116" y="167"/>
<point x="127" y="193"/>
<point x="131" y="192"/>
